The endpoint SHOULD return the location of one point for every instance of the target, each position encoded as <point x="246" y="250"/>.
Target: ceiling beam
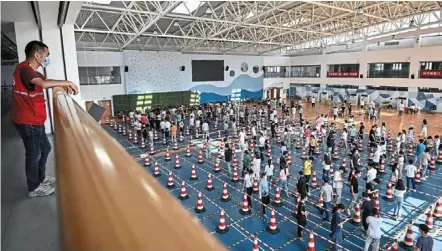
<point x="170" y="7"/>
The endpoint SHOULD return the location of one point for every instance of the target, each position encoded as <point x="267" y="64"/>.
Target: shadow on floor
<point x="27" y="223"/>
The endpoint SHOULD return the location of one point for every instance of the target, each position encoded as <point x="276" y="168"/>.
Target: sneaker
<point x="41" y="190"/>
<point x="48" y="180"/>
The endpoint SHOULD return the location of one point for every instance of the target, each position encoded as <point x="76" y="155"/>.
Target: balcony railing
<point x="106" y="201"/>
<point x="389" y="74"/>
<point x="304" y="74"/>
<point x="276" y="75"/>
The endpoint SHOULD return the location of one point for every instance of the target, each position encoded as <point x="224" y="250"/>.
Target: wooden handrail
<point x="106" y="200"/>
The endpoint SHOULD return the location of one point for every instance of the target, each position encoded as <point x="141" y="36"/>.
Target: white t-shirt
<point x="167" y="125"/>
<point x="256" y="165"/>
<point x="410" y="171"/>
<point x="248" y="180"/>
<point x="262" y="142"/>
<point x="269" y="169"/>
<point x="162" y="125"/>
<point x="374" y="227"/>
<point x="344" y="136"/>
<point x="283" y="174"/>
<point x="401" y="107"/>
<point x="242" y="137"/>
<point x="205" y="127"/>
<point x="377" y="155"/>
<point x="337" y="176"/>
<point x="313" y="100"/>
<point x="371" y="174"/>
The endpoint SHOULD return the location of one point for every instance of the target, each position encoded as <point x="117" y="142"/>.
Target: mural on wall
<point x="423" y="100"/>
<point x="161" y="72"/>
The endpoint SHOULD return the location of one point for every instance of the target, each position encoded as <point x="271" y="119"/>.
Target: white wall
<point x="7" y="71"/>
<point x="96" y="59"/>
<point x="413" y="55"/>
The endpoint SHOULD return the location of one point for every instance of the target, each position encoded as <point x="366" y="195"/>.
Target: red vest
<point x="28" y="107"/>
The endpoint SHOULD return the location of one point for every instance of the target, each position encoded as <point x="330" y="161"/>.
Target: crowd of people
<point x="252" y="123"/>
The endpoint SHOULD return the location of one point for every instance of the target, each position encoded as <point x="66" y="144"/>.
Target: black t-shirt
<point x="355" y="184"/>
<point x="302" y="185"/>
<point x="367" y="208"/>
<point x="301" y="208"/>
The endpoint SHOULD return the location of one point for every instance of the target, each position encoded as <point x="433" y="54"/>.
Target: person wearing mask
<point x="372" y="136"/>
<point x="262" y="141"/>
<point x="330" y="143"/>
<point x="374" y="232"/>
<point x="424" y="131"/>
<point x="327" y="193"/>
<point x="326" y="166"/>
<point x="371" y="187"/>
<point x="302" y="185"/>
<point x="312" y="146"/>
<point x="283" y="159"/>
<point x="242" y="139"/>
<point x="308" y="170"/>
<point x="354" y="190"/>
<point x="377" y="156"/>
<point x="248" y="185"/>
<point x="424" y="242"/>
<point x="268" y="169"/>
<point x="367" y="208"/>
<point x="399" y="193"/>
<point x="344" y="137"/>
<point x="256" y="165"/>
<point x="371" y="172"/>
<point x="228" y="157"/>
<point x="283" y="175"/>
<point x="424" y="161"/>
<point x="301" y="217"/>
<point x="264" y="193"/>
<point x="355" y="160"/>
<point x="336" y="226"/>
<point x="28" y="115"/>
<point x="338" y="183"/>
<point x="205" y="128"/>
<point x="410" y="173"/>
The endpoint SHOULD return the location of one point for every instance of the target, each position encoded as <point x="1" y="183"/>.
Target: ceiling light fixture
<point x="360" y="11"/>
<point x="412" y="24"/>
<point x="176" y="24"/>
<point x="208" y="10"/>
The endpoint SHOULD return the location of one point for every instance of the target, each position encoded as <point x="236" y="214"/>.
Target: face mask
<point x="45" y="62"/>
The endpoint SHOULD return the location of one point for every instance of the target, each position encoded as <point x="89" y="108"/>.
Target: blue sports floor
<point x="243" y="228"/>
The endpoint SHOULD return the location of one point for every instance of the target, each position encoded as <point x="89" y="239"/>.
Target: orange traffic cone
<point x="272" y="228"/>
<point x="187" y="131"/>
<point x="225" y="197"/>
<point x="164" y="140"/>
<point x="438" y="210"/>
<point x="188" y="153"/>
<point x="147" y="161"/>
<point x="277" y="202"/>
<point x="269" y="150"/>
<point x="177" y="162"/>
<point x="170" y="183"/>
<point x="183" y="194"/>
<point x="167" y="158"/>
<point x="155" y="136"/>
<point x="298" y="144"/>
<point x="255" y="186"/>
<point x="193" y="174"/>
<point x="222" y="226"/>
<point x="135" y="139"/>
<point x="289" y="158"/>
<point x="395" y="246"/>
<point x="432" y="165"/>
<point x="320" y="204"/>
<point x="335" y="154"/>
<point x="390" y="146"/>
<point x="255" y="244"/>
<point x="410" y="150"/>
<point x="382" y="167"/>
<point x="199" y="205"/>
<point x="130" y="135"/>
<point x="235" y="161"/>
<point x="439" y="158"/>
<point x="216" y="169"/>
<point x="124" y="132"/>
<point x="408" y="240"/>
<point x="200" y="158"/>
<point x="389" y="195"/>
<point x="156" y="170"/>
<point x="245" y="206"/>
<point x="429" y="220"/>
<point x="376" y="199"/>
<point x="314" y="181"/>
<point x="235" y="177"/>
<point x="219" y="153"/>
<point x="175" y="146"/>
<point x="209" y="186"/>
<point x="152" y="150"/>
<point x="143" y="145"/>
<point x="417" y="178"/>
<point x="332" y="170"/>
<point x="357" y="215"/>
<point x="181" y="137"/>
<point x="190" y="140"/>
<point x="311" y="242"/>
<point x="304" y="154"/>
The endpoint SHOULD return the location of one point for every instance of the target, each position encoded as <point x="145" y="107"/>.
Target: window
<point x="110" y="75"/>
<point x="389" y="70"/>
<point x="431" y="65"/>
<point x="431" y="90"/>
<point x="343" y="68"/>
<point x="306" y="71"/>
<point x="276" y="72"/>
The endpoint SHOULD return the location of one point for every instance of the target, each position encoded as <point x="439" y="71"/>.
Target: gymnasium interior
<point x="178" y="99"/>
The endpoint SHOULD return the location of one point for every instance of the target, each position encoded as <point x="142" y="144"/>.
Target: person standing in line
<point x="420" y="149"/>
<point x="302" y="184"/>
<point x="208" y="142"/>
<point x="248" y="185"/>
<point x="308" y="170"/>
<point x="424" y="132"/>
<point x="424" y="242"/>
<point x="228" y="157"/>
<point x="436" y="144"/>
<point x="301" y="112"/>
<point x="301" y="217"/>
<point x="399" y="192"/>
<point x="264" y="193"/>
<point x="338" y="182"/>
<point x="424" y="161"/>
<point x="354" y="190"/>
<point x="261" y="143"/>
<point x="256" y="165"/>
<point x="205" y="128"/>
<point x="268" y="169"/>
<point x="326" y="166"/>
<point x="28" y="115"/>
<point x="410" y="173"/>
<point x="327" y="193"/>
<point x="283" y="174"/>
<point x="336" y="226"/>
<point x="312" y="145"/>
<point x="246" y="163"/>
<point x="401" y="108"/>
<point x="374" y="232"/>
<point x="174" y="130"/>
<point x="367" y="208"/>
<point x="313" y="102"/>
<point x="400" y="163"/>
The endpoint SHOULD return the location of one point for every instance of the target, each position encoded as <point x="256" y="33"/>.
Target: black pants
<point x="365" y="224"/>
<point x="265" y="201"/>
<point x="37" y="148"/>
<point x="249" y="191"/>
<point x="311" y="151"/>
<point x="302" y="222"/>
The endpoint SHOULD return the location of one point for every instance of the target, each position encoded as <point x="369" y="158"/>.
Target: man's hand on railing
<point x="71" y="88"/>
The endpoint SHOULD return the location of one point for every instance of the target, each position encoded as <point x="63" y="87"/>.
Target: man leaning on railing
<point x="28" y="114"/>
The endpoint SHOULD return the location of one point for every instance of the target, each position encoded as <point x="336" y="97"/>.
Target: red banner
<point x="349" y="74"/>
<point x="430" y="73"/>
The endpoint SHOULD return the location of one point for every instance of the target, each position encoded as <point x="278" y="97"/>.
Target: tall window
<point x="109" y="75"/>
<point x="306" y="71"/>
<point x="389" y="70"/>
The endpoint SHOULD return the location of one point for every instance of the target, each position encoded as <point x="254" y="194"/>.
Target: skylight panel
<point x="295" y="22"/>
<point x="187" y="7"/>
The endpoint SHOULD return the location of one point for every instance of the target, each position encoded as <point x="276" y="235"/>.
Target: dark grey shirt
<point x="425" y="243"/>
